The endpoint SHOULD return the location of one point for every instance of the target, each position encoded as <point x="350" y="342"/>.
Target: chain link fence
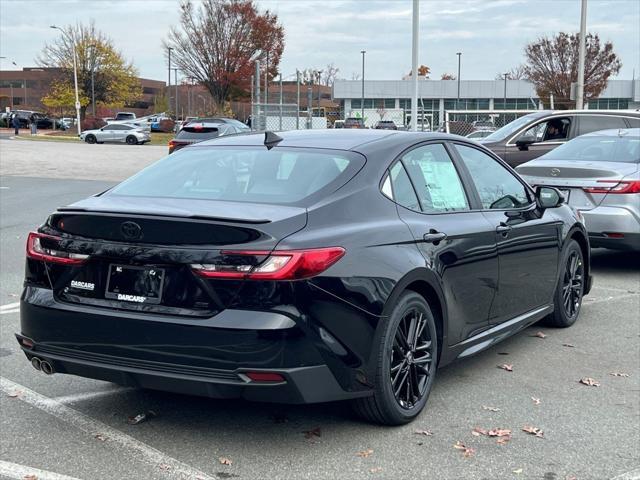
<point x="479" y="123"/>
<point x="284" y="116"/>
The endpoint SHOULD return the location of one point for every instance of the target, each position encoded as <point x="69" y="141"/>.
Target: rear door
<point x="592" y="123"/>
<point x="456" y="242"/>
<point x="528" y="244"/>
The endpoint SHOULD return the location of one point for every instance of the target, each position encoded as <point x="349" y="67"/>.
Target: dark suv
<point x="535" y="134"/>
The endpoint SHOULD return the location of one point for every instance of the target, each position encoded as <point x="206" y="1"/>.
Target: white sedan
<point x="115" y="132"/>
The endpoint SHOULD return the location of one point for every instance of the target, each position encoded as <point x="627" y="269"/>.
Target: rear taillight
<point x="172" y="145"/>
<point x="278" y="265"/>
<point x="37" y="251"/>
<point x="615" y="186"/>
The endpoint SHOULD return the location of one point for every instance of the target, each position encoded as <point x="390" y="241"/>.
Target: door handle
<point x="434" y="236"/>
<point x="503" y="228"/>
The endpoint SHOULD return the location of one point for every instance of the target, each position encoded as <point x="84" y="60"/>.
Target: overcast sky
<point x="490" y="33"/>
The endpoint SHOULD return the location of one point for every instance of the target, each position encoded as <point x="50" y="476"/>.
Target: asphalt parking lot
<point x="68" y="427"/>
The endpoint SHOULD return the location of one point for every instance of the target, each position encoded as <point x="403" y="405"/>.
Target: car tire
<point x="90" y="139"/>
<point x="567" y="298"/>
<point x="395" y="400"/>
<point x="131" y="140"/>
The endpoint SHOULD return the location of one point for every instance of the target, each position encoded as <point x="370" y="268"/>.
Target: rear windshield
<point x="599" y="148"/>
<point x="190" y="133"/>
<point x="244" y="174"/>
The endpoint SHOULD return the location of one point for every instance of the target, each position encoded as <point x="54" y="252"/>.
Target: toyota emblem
<point x="555" y="172"/>
<point x="130" y="230"/>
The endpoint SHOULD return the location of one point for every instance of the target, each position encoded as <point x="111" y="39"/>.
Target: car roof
<point x="347" y="139"/>
<point x="205" y="124"/>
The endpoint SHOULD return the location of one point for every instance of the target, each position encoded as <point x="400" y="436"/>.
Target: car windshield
<point x="599" y="148"/>
<point x="244" y="174"/>
<point x="510" y="128"/>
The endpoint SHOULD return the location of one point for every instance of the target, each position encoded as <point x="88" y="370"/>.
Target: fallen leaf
<point x="365" y="453"/>
<point x="536" y="401"/>
<point x="619" y="374"/>
<point x="590" y="382"/>
<point x="311" y="434"/>
<point x="30" y="476"/>
<point x="423" y="432"/>
<point x="141" y="417"/>
<point x="14" y="295"/>
<point x="466" y="451"/>
<point x="533" y="431"/>
<point x="165" y="467"/>
<point x="375" y="470"/>
<point x="101" y="437"/>
<point x="14" y="394"/>
<point x="540" y="335"/>
<point x="491" y="409"/>
<point x="503" y="440"/>
<point x="517" y="471"/>
<point x="507" y="367"/>
<point x="499" y="432"/>
<point x="477" y="431"/>
<point x="225" y="461"/>
<point x="570" y="345"/>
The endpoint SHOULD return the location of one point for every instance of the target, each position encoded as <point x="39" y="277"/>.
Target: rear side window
<point x="201" y="133"/>
<point x="435" y="179"/>
<point x="593" y="123"/>
<point x="402" y="190"/>
<point x="498" y="188"/>
<point x="244" y="174"/>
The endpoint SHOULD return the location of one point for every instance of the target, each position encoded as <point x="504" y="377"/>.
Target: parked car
<point x="237" y="124"/>
<point x="116" y="132"/>
<point x="354" y="122"/>
<point x="197" y="132"/>
<point x="599" y="175"/>
<point x="478" y="134"/>
<point x="125" y="116"/>
<point x="236" y="268"/>
<point x="386" y="125"/>
<point x="338" y="124"/>
<point x="533" y="135"/>
<point x="484" y="125"/>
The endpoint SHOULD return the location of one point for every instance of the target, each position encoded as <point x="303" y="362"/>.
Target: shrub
<point x="167" y="125"/>
<point x="91" y="123"/>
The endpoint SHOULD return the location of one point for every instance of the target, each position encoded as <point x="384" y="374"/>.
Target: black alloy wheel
<point x="407" y="353"/>
<point x="90" y="139"/>
<point x="570" y="290"/>
<point x="131" y="140"/>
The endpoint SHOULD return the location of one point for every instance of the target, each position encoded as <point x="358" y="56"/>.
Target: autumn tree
<point x="515" y="73"/>
<point x="552" y="66"/>
<point x="423" y="71"/>
<point x="447" y="76"/>
<point x="115" y="79"/>
<point x="219" y="41"/>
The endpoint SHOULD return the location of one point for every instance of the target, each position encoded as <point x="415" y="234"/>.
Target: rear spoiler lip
<point x="132" y="214"/>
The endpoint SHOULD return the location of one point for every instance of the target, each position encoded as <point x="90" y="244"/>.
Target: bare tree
<point x="329" y="74"/>
<point x="447" y="76"/>
<point x="515" y="73"/>
<point x="355" y="76"/>
<point x="219" y="40"/>
<point x="552" y="65"/>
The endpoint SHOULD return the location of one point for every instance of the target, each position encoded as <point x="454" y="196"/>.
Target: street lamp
<point x="175" y="71"/>
<point x="93" y="47"/>
<point x="362" y="96"/>
<point x="504" y="101"/>
<point x="75" y="73"/>
<point x="459" y="54"/>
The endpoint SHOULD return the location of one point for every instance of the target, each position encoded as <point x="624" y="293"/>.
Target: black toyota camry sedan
<point x="302" y="267"/>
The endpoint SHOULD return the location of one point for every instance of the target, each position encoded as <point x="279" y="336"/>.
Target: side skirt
<point x="493" y="335"/>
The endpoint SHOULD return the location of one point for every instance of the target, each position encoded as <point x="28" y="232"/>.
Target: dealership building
<point x="391" y="99"/>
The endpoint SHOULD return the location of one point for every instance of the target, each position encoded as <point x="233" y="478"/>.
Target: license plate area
<point x="133" y="284"/>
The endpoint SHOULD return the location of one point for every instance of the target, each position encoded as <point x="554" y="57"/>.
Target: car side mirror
<point x="523" y="142"/>
<point x="548" y="197"/>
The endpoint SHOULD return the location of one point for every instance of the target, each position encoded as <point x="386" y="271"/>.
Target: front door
<point x="528" y="241"/>
<point x="546" y="135"/>
<point x="456" y="243"/>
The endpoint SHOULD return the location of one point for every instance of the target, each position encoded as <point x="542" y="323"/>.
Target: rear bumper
<point x="613" y="227"/>
<point x="208" y="357"/>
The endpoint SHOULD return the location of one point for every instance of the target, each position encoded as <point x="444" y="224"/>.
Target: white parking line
<point x="20" y="472"/>
<point x="9" y="306"/>
<point x="632" y="475"/>
<point x="166" y="465"/>
<point x="78" y="397"/>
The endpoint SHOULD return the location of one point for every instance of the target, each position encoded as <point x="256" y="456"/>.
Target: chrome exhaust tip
<point x="46" y="367"/>
<point x="37" y="363"/>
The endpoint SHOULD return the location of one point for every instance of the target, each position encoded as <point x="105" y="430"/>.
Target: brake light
<point x="36" y="251"/>
<point x="278" y="265"/>
<point x="615" y="186"/>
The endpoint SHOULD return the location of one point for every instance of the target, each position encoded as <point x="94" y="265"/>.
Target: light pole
<point x="415" y="34"/>
<point x="93" y="71"/>
<point x="362" y="96"/>
<point x="581" y="55"/>
<point x="504" y="100"/>
<point x="459" y="54"/>
<point x="175" y="71"/>
<point x="72" y="39"/>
